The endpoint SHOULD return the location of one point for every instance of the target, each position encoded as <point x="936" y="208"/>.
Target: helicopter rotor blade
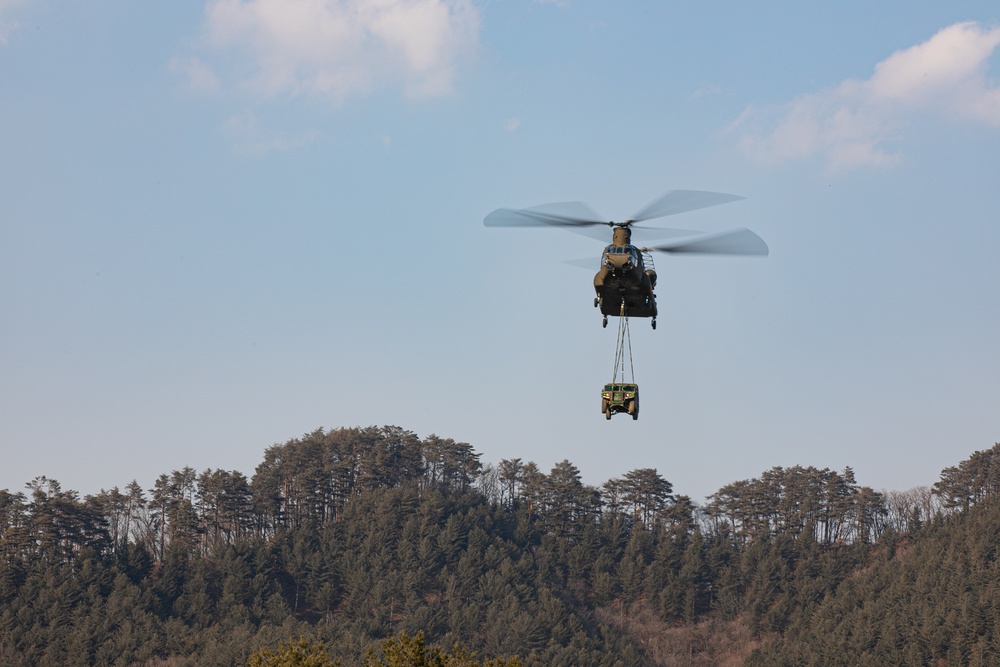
<point x="640" y="233"/>
<point x="563" y="214"/>
<point x="682" y="201"/>
<point x="592" y="263"/>
<point x="740" y="241"/>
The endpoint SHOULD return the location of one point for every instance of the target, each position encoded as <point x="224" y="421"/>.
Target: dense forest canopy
<point x="355" y="535"/>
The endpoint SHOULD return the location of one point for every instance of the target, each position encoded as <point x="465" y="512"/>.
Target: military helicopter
<point x="626" y="279"/>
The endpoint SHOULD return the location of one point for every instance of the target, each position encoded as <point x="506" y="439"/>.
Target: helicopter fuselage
<point x="624" y="277"/>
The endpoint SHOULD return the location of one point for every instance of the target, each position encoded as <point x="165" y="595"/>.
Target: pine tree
<point x="294" y="653"/>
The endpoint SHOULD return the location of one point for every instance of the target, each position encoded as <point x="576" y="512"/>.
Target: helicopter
<point x="626" y="280"/>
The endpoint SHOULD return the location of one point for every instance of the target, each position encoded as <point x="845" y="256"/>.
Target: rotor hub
<point x="622" y="236"/>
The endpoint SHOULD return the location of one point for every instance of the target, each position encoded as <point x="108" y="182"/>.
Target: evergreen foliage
<point x="365" y="537"/>
<point x="301" y="653"/>
<point x="406" y="651"/>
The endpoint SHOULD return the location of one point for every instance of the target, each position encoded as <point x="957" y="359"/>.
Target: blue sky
<point x="225" y="224"/>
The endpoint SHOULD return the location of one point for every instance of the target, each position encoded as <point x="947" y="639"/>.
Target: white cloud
<point x="512" y="124"/>
<point x="339" y="48"/>
<point x="850" y="124"/>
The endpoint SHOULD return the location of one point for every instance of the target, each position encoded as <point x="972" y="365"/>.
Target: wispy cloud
<point x="250" y="137"/>
<point x="336" y="48"/>
<point x="706" y="90"/>
<point x="851" y="124"/>
<point x="198" y="75"/>
<point x="6" y="25"/>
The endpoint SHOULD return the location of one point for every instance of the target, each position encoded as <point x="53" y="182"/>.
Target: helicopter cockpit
<point x="620" y="257"/>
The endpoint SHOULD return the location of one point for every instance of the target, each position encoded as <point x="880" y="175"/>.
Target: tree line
<point x="312" y="478"/>
<point x="358" y="534"/>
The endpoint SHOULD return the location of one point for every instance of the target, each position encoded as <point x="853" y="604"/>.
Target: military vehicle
<point x="620" y="398"/>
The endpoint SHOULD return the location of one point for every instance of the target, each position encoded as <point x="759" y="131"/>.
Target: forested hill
<point x="353" y="535"/>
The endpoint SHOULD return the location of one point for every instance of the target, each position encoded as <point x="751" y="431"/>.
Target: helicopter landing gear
<point x="597" y="301"/>
<point x="654" y="324"/>
<point x="604" y="323"/>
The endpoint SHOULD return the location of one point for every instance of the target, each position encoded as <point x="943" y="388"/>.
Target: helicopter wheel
<point x="604" y="324"/>
<point x="597" y="302"/>
<point x="654" y="324"/>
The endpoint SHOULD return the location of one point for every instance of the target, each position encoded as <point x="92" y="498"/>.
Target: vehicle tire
<point x="604" y="405"/>
<point x="632" y="407"/>
<point x="635" y="416"/>
<point x="607" y="414"/>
